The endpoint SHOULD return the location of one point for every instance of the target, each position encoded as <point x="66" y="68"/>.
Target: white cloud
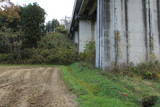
<point x="54" y="8"/>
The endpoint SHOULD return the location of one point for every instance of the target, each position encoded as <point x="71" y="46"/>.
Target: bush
<point x="149" y="101"/>
<point x="11" y="58"/>
<point x="56" y="40"/>
<point x="54" y="48"/>
<point x="89" y="54"/>
<point x="53" y="56"/>
<point x="61" y="29"/>
<point x="148" y="70"/>
<point x="3" y="58"/>
<point x="58" y="49"/>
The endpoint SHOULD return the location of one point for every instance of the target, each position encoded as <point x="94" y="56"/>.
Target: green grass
<point x="94" y="89"/>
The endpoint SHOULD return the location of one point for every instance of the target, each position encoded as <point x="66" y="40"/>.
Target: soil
<point x="33" y="87"/>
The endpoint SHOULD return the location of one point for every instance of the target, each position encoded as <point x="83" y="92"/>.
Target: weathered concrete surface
<point x="86" y="33"/>
<point x="128" y="32"/>
<point x="76" y="37"/>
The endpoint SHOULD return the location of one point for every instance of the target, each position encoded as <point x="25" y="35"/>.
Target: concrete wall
<point x="127" y="32"/>
<point x="86" y="33"/>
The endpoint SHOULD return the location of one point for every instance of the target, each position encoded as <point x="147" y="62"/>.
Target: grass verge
<point x="94" y="89"/>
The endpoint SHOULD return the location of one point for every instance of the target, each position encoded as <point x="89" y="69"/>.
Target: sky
<point x="56" y="9"/>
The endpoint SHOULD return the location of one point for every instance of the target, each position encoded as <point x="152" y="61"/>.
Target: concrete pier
<point x="127" y="31"/>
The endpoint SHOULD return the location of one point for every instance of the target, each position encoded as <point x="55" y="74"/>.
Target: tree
<point x="32" y="20"/>
<point x="10" y="33"/>
<point x="10" y="15"/>
<point x="52" y="25"/>
<point x="55" y="24"/>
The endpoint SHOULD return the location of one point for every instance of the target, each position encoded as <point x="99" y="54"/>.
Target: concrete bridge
<point x="125" y="31"/>
<point x="83" y="26"/>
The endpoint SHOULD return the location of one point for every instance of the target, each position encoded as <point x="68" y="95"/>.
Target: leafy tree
<point x="10" y="16"/>
<point x="48" y="26"/>
<point x="52" y="25"/>
<point x="10" y="29"/>
<point x="55" y="24"/>
<point x="32" y="18"/>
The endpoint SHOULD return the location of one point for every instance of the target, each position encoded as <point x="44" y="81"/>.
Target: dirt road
<point x="33" y="87"/>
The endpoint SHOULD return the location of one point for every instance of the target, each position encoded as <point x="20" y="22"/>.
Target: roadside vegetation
<point x="95" y="88"/>
<point x="26" y="39"/>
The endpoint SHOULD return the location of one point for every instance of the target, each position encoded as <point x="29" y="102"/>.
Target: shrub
<point x="89" y="54"/>
<point x="55" y="40"/>
<point x="58" y="49"/>
<point x="61" y="56"/>
<point x="11" y="58"/>
<point x="149" y="101"/>
<point x="3" y="58"/>
<point x="148" y="70"/>
<point x="61" y="29"/>
<point x="54" y="48"/>
<point x="27" y="53"/>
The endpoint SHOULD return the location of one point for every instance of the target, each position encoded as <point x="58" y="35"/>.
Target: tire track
<point x="34" y="87"/>
<point x="13" y="89"/>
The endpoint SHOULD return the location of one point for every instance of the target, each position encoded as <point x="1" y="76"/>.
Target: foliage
<point x="51" y="56"/>
<point x="32" y="19"/>
<point x="54" y="40"/>
<point x="11" y="13"/>
<point x="61" y="29"/>
<point x="52" y="25"/>
<point x="54" y="48"/>
<point x="96" y="89"/>
<point x="89" y="54"/>
<point x="62" y="49"/>
<point x="10" y="19"/>
<point x="10" y="41"/>
<point x="10" y="33"/>
<point x="148" y="70"/>
<point x="149" y="101"/>
<point x="3" y="58"/>
<point x="22" y="39"/>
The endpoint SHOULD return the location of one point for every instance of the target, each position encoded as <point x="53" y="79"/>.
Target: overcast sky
<point x="54" y="8"/>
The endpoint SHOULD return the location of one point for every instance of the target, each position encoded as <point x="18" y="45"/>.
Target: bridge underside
<point x="125" y="31"/>
<point x="84" y="24"/>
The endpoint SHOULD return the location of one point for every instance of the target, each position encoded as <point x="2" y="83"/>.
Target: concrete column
<point x="154" y="9"/>
<point x="118" y="32"/>
<point x="128" y="31"/>
<point x="93" y="30"/>
<point x="136" y="32"/>
<point x="103" y="43"/>
<point x="98" y="60"/>
<point x="158" y="22"/>
<point x="85" y="34"/>
<point x="76" y="37"/>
